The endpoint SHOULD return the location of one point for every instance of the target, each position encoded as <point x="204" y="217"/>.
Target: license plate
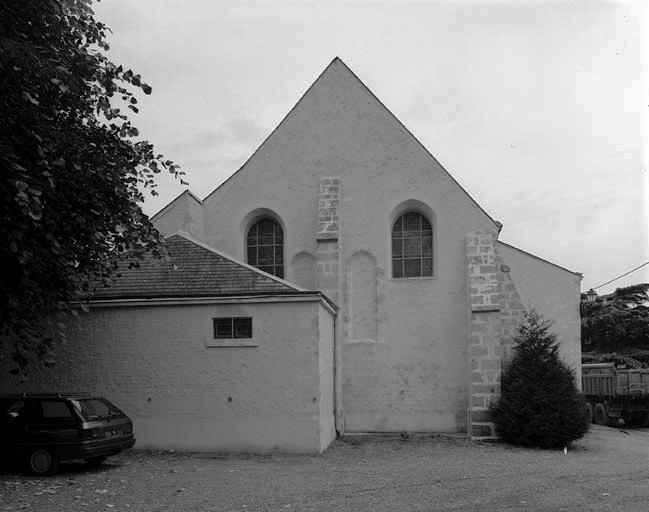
<point x="112" y="433"/>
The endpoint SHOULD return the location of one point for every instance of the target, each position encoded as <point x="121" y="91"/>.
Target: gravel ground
<point x="607" y="470"/>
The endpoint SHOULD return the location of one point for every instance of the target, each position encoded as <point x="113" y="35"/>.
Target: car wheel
<point x="43" y="462"/>
<point x="95" y="461"/>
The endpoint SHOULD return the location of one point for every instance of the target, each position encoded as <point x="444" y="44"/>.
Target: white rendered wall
<point x="404" y="353"/>
<point x="184" y="213"/>
<point x="408" y="371"/>
<point x="555" y="294"/>
<point x="326" y="377"/>
<point x="154" y="363"/>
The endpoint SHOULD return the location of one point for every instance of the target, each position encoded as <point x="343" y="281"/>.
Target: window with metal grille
<point x="265" y="247"/>
<point x="229" y="327"/>
<point x="412" y="246"/>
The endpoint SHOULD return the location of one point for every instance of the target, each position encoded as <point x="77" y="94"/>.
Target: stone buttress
<point x="328" y="265"/>
<point x="496" y="312"/>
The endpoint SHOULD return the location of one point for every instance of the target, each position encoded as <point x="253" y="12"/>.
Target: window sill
<point x="231" y="342"/>
<point x="362" y="341"/>
<point x="406" y="279"/>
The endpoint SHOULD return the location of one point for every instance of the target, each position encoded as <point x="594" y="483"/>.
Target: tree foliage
<point x="540" y="404"/>
<point x="72" y="168"/>
<point x="632" y="358"/>
<point x="618" y="322"/>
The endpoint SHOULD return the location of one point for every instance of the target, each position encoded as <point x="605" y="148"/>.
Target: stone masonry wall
<point x="328" y="208"/>
<point x="328" y="269"/>
<point x="328" y="249"/>
<point x="512" y="312"/>
<point x="485" y="351"/>
<point x="485" y="368"/>
<point x="496" y="314"/>
<point x="483" y="272"/>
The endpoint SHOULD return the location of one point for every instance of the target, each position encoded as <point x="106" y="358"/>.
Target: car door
<point x="53" y="423"/>
<point x="14" y="420"/>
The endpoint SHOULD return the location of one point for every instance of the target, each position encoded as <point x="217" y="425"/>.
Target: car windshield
<point x="95" y="408"/>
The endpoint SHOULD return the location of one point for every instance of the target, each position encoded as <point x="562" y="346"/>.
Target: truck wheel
<point x="43" y="462"/>
<point x="601" y="417"/>
<point x="589" y="412"/>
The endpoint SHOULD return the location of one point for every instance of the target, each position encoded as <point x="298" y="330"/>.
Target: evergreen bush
<point x="540" y="404"/>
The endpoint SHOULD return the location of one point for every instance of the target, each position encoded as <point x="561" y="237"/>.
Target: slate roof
<point x="193" y="270"/>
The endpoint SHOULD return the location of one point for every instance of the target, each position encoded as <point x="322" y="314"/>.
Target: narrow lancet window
<point x="265" y="247"/>
<point x="412" y="246"/>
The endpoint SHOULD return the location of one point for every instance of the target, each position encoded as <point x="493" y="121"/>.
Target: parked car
<point x="42" y="429"/>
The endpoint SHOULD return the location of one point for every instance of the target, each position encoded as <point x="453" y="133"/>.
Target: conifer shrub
<point x="540" y="404"/>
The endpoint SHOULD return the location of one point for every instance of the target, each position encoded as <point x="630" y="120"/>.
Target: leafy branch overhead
<point x="74" y="171"/>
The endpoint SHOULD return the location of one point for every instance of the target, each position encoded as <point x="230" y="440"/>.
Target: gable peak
<point x="338" y="64"/>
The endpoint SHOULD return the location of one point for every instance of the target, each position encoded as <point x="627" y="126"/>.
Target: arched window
<point x="412" y="246"/>
<point x="265" y="247"/>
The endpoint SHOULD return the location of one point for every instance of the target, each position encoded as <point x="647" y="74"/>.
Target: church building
<point x="341" y="281"/>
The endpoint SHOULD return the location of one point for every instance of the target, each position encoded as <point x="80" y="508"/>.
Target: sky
<point x="538" y="108"/>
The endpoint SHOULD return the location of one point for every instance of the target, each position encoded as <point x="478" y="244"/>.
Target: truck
<point x="615" y="392"/>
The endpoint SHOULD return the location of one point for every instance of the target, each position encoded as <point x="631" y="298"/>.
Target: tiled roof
<point x="193" y="270"/>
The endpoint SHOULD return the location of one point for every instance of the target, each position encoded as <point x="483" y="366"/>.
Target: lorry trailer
<point x="614" y="392"/>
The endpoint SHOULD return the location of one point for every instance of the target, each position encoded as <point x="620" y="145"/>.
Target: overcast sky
<point x="537" y="108"/>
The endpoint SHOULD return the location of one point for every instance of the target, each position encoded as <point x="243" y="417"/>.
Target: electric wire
<point x="620" y="277"/>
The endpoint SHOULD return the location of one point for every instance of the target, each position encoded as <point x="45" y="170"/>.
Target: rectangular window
<point x="96" y="408"/>
<point x="55" y="409"/>
<point x="233" y="328"/>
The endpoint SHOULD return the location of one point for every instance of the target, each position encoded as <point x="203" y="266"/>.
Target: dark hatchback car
<point x="41" y="429"/>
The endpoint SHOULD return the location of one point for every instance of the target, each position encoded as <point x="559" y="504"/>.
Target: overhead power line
<point x="620" y="277"/>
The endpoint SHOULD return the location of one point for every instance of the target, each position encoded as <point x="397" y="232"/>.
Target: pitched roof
<point x="193" y="270"/>
<point x="185" y="192"/>
<point x="540" y="259"/>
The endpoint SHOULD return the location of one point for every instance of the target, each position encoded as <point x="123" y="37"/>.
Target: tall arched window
<point x="412" y="246"/>
<point x="265" y="247"/>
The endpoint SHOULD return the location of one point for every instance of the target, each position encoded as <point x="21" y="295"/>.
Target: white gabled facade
<point x="335" y="174"/>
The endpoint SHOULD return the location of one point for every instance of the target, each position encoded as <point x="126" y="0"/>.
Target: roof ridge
<point x="233" y="177"/>
<point x="539" y="258"/>
<point x="475" y="203"/>
<point x="186" y="191"/>
<point x="207" y="247"/>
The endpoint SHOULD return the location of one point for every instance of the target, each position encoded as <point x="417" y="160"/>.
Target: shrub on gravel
<point x="540" y="404"/>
